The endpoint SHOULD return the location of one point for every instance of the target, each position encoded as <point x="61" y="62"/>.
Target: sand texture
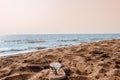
<point x="86" y="61"/>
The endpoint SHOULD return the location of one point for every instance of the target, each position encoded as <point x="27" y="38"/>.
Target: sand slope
<point x="86" y="61"/>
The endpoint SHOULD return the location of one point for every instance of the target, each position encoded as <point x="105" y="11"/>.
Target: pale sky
<point x="59" y="16"/>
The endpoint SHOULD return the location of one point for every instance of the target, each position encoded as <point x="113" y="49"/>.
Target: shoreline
<point x="87" y="61"/>
<point x="18" y="44"/>
<point x="46" y="48"/>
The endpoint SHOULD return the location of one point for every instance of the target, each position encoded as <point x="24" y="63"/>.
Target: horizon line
<point x="51" y="33"/>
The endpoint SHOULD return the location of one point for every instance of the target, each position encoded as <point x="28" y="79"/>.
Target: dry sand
<point x="86" y="61"/>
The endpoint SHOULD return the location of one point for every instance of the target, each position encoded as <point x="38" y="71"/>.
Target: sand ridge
<point x="86" y="61"/>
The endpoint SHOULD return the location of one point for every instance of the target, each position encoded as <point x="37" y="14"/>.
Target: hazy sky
<point x="59" y="16"/>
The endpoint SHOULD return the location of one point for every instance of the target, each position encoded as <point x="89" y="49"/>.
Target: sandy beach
<point x="86" y="61"/>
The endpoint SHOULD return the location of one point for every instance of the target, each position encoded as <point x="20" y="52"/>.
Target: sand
<point x="86" y="61"/>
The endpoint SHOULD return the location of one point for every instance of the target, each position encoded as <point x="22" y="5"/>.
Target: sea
<point x="14" y="44"/>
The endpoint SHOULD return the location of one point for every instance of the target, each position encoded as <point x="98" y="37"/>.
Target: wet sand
<point x="86" y="61"/>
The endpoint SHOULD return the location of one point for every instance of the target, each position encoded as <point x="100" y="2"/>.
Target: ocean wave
<point x="97" y="39"/>
<point x="68" y="40"/>
<point x="18" y="50"/>
<point x="13" y="40"/>
<point x="37" y="48"/>
<point x="12" y="50"/>
<point x="25" y="41"/>
<point x="36" y="41"/>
